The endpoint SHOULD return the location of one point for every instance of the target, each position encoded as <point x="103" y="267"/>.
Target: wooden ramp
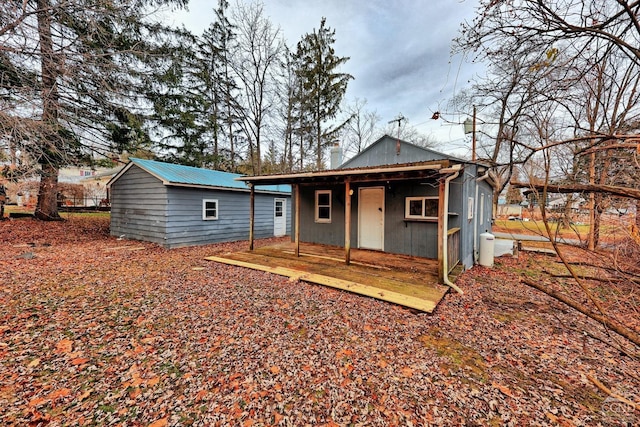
<point x="406" y="281"/>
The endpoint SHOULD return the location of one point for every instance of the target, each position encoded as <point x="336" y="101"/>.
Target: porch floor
<point x="400" y="279"/>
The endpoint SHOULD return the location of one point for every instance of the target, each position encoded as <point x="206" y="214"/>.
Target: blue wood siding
<point x="143" y="208"/>
<point x="325" y="233"/>
<point x="138" y="207"/>
<point x="417" y="238"/>
<point x="482" y="211"/>
<point x="410" y="237"/>
<point x="185" y="225"/>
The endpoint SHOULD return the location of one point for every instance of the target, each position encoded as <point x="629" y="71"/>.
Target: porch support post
<point x="252" y="203"/>
<point x="441" y="230"/>
<point x="347" y="222"/>
<point x="296" y="194"/>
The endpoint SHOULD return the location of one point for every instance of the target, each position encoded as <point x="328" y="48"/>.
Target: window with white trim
<point x="323" y="206"/>
<point x="209" y="209"/>
<point x="279" y="207"/>
<point x="421" y="208"/>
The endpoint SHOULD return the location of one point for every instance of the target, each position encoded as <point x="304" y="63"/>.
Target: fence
<point x="453" y="248"/>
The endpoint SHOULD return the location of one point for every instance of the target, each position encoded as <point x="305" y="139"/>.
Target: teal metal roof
<point x="170" y="173"/>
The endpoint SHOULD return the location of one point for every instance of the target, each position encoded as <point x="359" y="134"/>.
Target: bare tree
<point x="360" y="128"/>
<point x="401" y="128"/>
<point x="514" y="27"/>
<point x="256" y="58"/>
<point x="578" y="64"/>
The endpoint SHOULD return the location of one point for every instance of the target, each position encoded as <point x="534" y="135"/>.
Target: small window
<point x="279" y="207"/>
<point x="421" y="208"/>
<point x="209" y="209"/>
<point x="323" y="206"/>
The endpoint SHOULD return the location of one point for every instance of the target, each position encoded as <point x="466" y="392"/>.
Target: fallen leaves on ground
<point x="100" y="331"/>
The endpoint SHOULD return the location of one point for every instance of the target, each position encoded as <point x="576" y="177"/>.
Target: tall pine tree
<point x="218" y="88"/>
<point x="322" y="85"/>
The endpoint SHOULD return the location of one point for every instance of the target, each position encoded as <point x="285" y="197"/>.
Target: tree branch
<point x="615" y="326"/>
<point x="631" y="193"/>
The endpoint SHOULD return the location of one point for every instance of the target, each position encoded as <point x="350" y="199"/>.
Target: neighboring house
<point x="506" y="211"/>
<point x="175" y="205"/>
<point x="394" y="197"/>
<point x="84" y="186"/>
<point x="95" y="187"/>
<point x="74" y="174"/>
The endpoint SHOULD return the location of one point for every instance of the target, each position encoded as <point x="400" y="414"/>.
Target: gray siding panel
<point x="384" y="152"/>
<point x="186" y="226"/>
<point x="462" y="189"/>
<point x="324" y="233"/>
<point x="138" y="207"/>
<point x="417" y="238"/>
<point x="143" y="208"/>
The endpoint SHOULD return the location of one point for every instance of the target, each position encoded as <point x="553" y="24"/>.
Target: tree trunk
<point x="301" y="153"/>
<point x="47" y="206"/>
<point x="319" y="137"/>
<point x="597" y="219"/>
<point x="232" y="147"/>
<point x="216" y="127"/>
<point x="258" y="169"/>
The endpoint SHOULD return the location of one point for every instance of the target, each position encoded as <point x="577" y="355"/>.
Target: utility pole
<point x="473" y="136"/>
<point x="470" y="127"/>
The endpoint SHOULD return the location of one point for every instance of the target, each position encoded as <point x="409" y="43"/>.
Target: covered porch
<point x="400" y="279"/>
<point x="440" y="240"/>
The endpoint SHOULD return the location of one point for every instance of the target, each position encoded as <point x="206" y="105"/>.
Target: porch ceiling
<point x="400" y="279"/>
<point x="375" y="173"/>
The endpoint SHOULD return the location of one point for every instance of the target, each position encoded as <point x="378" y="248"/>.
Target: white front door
<point x="279" y="217"/>
<point x="371" y="218"/>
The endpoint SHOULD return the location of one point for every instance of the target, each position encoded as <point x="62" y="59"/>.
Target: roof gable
<point x="385" y="151"/>
<point x="189" y="176"/>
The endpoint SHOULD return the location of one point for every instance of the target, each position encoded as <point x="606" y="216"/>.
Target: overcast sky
<point x="399" y="52"/>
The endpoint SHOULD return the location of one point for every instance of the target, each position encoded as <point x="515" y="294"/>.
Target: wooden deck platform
<point x="404" y="280"/>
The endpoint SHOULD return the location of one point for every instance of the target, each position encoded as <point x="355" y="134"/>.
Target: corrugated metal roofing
<point x="170" y="173"/>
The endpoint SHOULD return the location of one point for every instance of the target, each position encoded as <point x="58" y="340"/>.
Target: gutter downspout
<point x="445" y="220"/>
<point x="475" y="217"/>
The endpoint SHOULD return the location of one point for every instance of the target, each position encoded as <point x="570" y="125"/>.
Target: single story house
<point x="175" y="205"/>
<point x="394" y="197"/>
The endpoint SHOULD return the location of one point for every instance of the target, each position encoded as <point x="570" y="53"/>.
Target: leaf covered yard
<point x="100" y="331"/>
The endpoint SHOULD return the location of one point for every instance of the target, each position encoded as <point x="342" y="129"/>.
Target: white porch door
<point x="279" y="217"/>
<point x="371" y="218"/>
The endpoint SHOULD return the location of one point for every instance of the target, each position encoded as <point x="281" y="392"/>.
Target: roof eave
<point x="220" y="188"/>
<point x="342" y="173"/>
<point x="119" y="174"/>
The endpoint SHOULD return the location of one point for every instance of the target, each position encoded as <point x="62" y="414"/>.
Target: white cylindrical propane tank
<point x="486" y="249"/>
